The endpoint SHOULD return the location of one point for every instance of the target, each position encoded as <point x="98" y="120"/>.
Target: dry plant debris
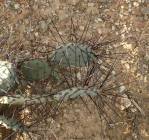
<point x="33" y="29"/>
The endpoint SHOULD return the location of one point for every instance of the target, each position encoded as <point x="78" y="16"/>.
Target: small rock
<point x="16" y="6"/>
<point x="81" y="27"/>
<point x="36" y="34"/>
<point x="113" y="28"/>
<point x="98" y="20"/>
<point x="43" y="26"/>
<point x="58" y="125"/>
<point x="77" y="110"/>
<point x="122" y="88"/>
<point x="136" y="4"/>
<point x="113" y="72"/>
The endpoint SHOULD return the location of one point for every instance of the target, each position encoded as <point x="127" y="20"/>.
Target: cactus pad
<point x="73" y="54"/>
<point x="8" y="77"/>
<point x="35" y="70"/>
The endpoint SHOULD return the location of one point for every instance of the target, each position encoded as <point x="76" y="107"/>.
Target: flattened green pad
<point x="35" y="70"/>
<point x="73" y="54"/>
<point x="8" y="78"/>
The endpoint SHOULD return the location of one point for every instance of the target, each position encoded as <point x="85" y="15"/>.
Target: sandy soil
<point x="26" y="26"/>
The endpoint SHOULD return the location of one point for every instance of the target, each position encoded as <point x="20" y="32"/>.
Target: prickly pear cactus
<point x="11" y="123"/>
<point x="73" y="54"/>
<point x="35" y="70"/>
<point x="8" y="78"/>
<point x="74" y="93"/>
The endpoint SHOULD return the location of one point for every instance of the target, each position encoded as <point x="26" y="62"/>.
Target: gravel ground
<point x="27" y="25"/>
